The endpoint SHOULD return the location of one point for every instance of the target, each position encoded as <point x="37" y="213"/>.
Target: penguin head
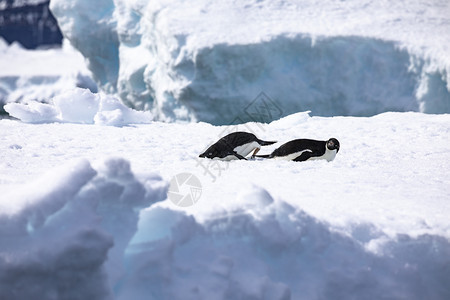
<point x="209" y="153"/>
<point x="333" y="144"/>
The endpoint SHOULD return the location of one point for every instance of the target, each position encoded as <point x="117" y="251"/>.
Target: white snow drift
<point x="64" y="236"/>
<point x="207" y="61"/>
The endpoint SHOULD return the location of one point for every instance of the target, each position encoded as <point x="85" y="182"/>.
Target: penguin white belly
<point x="226" y="158"/>
<point x="245" y="149"/>
<point x="329" y="155"/>
<point x="291" y="156"/>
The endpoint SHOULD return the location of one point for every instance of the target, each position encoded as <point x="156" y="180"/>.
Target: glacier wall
<point x="93" y="33"/>
<point x="353" y="76"/>
<point x="191" y="62"/>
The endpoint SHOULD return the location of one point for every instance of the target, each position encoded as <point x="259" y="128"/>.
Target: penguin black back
<point x="237" y="144"/>
<point x="305" y="149"/>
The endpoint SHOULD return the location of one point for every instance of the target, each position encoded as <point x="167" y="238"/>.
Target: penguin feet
<point x="254" y="153"/>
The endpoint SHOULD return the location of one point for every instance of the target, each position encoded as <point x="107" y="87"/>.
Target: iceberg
<point x="206" y="61"/>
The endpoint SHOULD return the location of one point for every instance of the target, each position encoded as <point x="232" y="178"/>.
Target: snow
<point x="372" y="223"/>
<point x="205" y="61"/>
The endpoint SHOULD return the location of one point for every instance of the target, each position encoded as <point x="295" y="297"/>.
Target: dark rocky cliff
<point x="30" y="23"/>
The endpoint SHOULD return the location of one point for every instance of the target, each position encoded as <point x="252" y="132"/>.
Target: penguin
<point x="236" y="145"/>
<point x="305" y="149"/>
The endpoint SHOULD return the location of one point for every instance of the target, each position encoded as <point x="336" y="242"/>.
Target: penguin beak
<point x="202" y="155"/>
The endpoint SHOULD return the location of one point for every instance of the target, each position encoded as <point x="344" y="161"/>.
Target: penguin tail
<point x="265" y="143"/>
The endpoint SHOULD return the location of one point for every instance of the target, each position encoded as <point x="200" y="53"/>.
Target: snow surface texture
<point x="207" y="61"/>
<point x="39" y="75"/>
<point x="372" y="224"/>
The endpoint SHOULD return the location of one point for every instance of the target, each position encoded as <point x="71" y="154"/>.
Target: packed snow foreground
<point x="372" y="224"/>
<point x="206" y="60"/>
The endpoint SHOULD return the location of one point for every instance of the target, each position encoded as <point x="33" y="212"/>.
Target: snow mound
<point x="64" y="236"/>
<point x="267" y="249"/>
<point x="78" y="106"/>
<point x="208" y="61"/>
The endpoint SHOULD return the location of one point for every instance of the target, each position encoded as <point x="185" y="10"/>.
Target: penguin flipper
<point x="304" y="156"/>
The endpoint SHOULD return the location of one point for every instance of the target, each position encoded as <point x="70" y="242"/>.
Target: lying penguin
<point x="305" y="149"/>
<point x="236" y="145"/>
